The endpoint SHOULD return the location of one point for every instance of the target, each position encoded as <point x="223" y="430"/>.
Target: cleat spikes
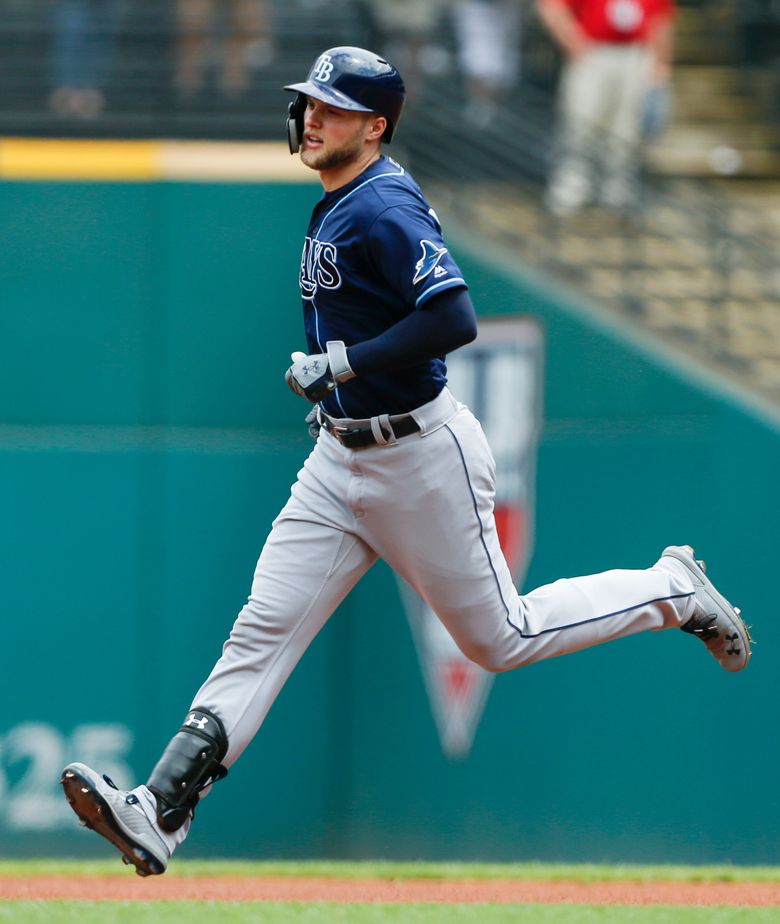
<point x="102" y="808"/>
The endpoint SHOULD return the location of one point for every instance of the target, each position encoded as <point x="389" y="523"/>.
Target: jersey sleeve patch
<point x="429" y="262"/>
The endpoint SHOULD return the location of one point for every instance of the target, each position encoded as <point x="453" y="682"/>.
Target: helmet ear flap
<point x="295" y="113"/>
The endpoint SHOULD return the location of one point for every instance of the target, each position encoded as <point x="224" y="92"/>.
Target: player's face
<point x="332" y="137"/>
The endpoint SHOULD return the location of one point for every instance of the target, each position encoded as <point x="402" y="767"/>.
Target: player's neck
<point x="345" y="173"/>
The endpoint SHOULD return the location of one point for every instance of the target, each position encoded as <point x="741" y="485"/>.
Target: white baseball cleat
<point x="118" y="816"/>
<point x="715" y="621"/>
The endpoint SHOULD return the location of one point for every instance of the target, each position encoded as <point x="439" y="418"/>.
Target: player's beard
<point x="349" y="151"/>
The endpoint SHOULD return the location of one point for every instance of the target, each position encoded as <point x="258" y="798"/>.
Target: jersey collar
<point x="383" y="165"/>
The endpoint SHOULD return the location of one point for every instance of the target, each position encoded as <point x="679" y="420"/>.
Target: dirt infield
<point x="302" y="889"/>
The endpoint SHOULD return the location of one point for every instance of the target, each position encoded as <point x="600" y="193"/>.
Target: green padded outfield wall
<point x="146" y="442"/>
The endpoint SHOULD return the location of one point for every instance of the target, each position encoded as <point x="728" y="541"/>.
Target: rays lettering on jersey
<point x="318" y="267"/>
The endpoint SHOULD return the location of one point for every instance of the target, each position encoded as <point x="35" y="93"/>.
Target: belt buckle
<point x="341" y="432"/>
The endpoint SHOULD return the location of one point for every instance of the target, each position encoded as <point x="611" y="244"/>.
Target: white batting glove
<point x="313" y="423"/>
<point x="316" y="375"/>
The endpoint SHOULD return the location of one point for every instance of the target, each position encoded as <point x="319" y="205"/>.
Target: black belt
<point x="359" y="437"/>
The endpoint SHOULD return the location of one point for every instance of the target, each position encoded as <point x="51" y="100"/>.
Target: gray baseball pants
<point x="424" y="504"/>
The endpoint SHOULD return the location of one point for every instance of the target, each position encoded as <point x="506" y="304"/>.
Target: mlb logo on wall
<point x="499" y="378"/>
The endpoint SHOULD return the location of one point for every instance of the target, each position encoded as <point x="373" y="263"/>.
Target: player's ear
<point x="376" y="127"/>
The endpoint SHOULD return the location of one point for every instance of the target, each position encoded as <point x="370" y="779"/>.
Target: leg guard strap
<point x="191" y="761"/>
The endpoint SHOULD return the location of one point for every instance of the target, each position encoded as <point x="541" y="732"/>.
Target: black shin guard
<point x="192" y="761"/>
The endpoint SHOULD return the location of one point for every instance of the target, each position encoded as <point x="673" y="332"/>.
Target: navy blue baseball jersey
<point x="373" y="254"/>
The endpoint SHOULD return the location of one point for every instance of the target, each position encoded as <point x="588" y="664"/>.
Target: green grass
<point x="391" y="870"/>
<point x="324" y="913"/>
<point x="198" y="912"/>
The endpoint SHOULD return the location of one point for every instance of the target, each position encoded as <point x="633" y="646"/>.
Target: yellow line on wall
<point x="61" y="159"/>
<point x="134" y="161"/>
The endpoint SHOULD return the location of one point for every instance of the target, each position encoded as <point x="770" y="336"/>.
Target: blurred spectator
<point x="616" y="52"/>
<point x="83" y="33"/>
<point x="488" y="36"/>
<point x="233" y="35"/>
<point x="408" y="32"/>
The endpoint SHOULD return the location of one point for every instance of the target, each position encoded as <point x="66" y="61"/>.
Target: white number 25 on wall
<point x="32" y="756"/>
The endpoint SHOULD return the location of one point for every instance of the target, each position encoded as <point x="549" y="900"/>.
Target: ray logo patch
<point x="431" y="255"/>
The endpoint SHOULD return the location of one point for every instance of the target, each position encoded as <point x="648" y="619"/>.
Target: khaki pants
<point x="600" y="99"/>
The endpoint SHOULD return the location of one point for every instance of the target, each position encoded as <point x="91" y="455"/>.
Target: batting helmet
<point x="349" y="78"/>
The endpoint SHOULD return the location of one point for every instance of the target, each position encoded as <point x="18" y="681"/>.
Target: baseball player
<point x="400" y="470"/>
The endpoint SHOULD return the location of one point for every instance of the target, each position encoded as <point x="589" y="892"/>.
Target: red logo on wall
<point x="499" y="378"/>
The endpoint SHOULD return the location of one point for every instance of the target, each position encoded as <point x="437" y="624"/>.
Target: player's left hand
<point x="313" y="423"/>
<point x="310" y="376"/>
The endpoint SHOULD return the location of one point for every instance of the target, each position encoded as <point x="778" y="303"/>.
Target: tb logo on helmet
<point x="323" y="69"/>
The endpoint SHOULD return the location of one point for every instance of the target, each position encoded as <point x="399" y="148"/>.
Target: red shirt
<point x="619" y="20"/>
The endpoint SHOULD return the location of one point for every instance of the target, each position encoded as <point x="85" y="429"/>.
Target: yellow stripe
<point x="69" y="159"/>
<point x="34" y="158"/>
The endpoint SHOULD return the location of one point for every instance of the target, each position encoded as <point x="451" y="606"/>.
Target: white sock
<point x="148" y="803"/>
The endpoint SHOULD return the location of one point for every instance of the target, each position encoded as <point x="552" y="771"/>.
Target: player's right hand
<point x="310" y="376"/>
